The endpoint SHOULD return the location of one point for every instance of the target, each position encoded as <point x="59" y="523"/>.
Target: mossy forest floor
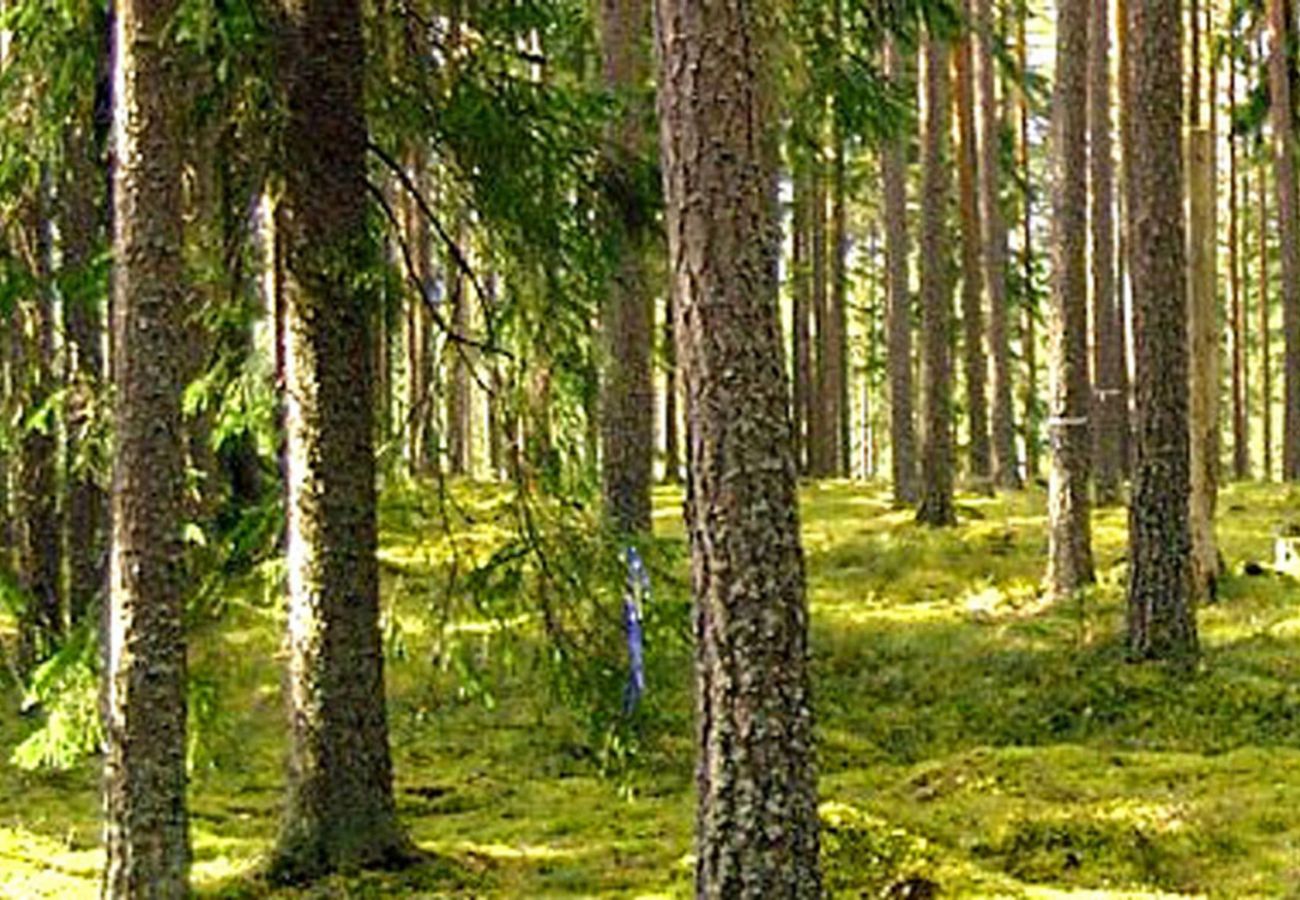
<point x="971" y="736"/>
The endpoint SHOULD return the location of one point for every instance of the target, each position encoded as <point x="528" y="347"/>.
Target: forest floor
<point x="971" y="736"/>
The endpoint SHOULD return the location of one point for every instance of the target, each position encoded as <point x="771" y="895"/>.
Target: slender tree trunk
<point x="936" y="505"/>
<point x="146" y="826"/>
<point x="1265" y="329"/>
<point x="340" y="811"/>
<point x="1161" y="619"/>
<point x="756" y="824"/>
<point x="837" y="347"/>
<point x="1124" y="260"/>
<point x="821" y="422"/>
<point x="627" y="400"/>
<point x="1283" y="121"/>
<point x="1108" y="327"/>
<point x="1028" y="337"/>
<point x="1069" y="512"/>
<point x="672" y="442"/>
<point x="460" y="400"/>
<point x="993" y="230"/>
<point x="893" y="172"/>
<point x="974" y="358"/>
<point x="87" y="511"/>
<point x="1237" y="306"/>
<point x="801" y="306"/>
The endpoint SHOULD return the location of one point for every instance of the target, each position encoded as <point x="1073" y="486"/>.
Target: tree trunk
<point x="1069" y="513"/>
<point x="821" y="422"/>
<point x="672" y="441"/>
<point x="936" y="506"/>
<point x="836" y="345"/>
<point x="974" y="359"/>
<point x="756" y="823"/>
<point x="1265" y="330"/>
<point x="460" y="402"/>
<point x="801" y="305"/>
<point x="1283" y="116"/>
<point x="340" y="812"/>
<point x="1028" y="336"/>
<point x="146" y="826"/>
<point x="993" y="230"/>
<point x="87" y="511"/>
<point x="1236" y="300"/>
<point x="893" y="173"/>
<point x="1111" y="404"/>
<point x="1161" y="621"/>
<point x="627" y="400"/>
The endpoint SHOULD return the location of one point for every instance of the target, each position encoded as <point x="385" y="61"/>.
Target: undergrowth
<point x="974" y="741"/>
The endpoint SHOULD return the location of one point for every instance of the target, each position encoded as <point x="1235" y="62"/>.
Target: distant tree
<point x="756" y="821"/>
<point x="340" y="811"/>
<point x="627" y="318"/>
<point x="1282" y="111"/>
<point x="1161" y="620"/>
<point x="898" y="361"/>
<point x="974" y="356"/>
<point x="936" y="503"/>
<point x="1069" y="507"/>
<point x="146" y="825"/>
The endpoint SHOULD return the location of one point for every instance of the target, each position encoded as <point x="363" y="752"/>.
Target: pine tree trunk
<point x="1283" y="121"/>
<point x="801" y="305"/>
<point x="460" y="400"/>
<point x="756" y="823"/>
<point x="672" y="441"/>
<point x="1028" y="334"/>
<point x="340" y="812"/>
<point x="1068" y="507"/>
<point x="1236" y="300"/>
<point x="1161" y="621"/>
<point x="936" y="504"/>
<point x="974" y="358"/>
<point x="821" y="422"/>
<point x="893" y="173"/>
<point x="627" y="400"/>
<point x="837" y="357"/>
<point x="1111" y="404"/>
<point x="87" y="510"/>
<point x="1265" y="330"/>
<point x="146" y="825"/>
<point x="993" y="230"/>
<point x="1124" y="257"/>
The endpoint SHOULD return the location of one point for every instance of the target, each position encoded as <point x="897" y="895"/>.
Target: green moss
<point x="973" y="737"/>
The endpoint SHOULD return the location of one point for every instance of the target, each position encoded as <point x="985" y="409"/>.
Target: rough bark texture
<point x="146" y="826"/>
<point x="1161" y="622"/>
<point x="1284" y="162"/>
<point x="1068" y="505"/>
<point x="893" y="172"/>
<point x="340" y="811"/>
<point x="936" y="505"/>
<point x="87" y="509"/>
<point x="993" y="230"/>
<point x="1110" y="402"/>
<point x="1203" y="371"/>
<point x="36" y="493"/>
<point x="974" y="358"/>
<point x="627" y="319"/>
<point x="756" y="823"/>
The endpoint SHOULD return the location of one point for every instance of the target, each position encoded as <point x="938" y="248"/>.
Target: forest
<point x="649" y="448"/>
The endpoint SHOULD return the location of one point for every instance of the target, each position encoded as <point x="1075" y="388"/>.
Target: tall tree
<point x="936" y="505"/>
<point x="1284" y="164"/>
<point x="1028" y="335"/>
<point x="893" y="175"/>
<point x="974" y="358"/>
<point x="821" y="412"/>
<point x="627" y="400"/>
<point x="1265" y="330"/>
<point x="756" y="822"/>
<point x="1069" y="510"/>
<point x="1111" y="404"/>
<point x="1236" y="298"/>
<point x="993" y="231"/>
<point x="1161" y="620"/>
<point x="146" y="826"/>
<point x="672" y="443"/>
<point x="340" y="811"/>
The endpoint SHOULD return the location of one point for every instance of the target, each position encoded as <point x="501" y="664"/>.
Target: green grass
<point x="971" y="735"/>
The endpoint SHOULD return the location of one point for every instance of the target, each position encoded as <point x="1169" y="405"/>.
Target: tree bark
<point x="821" y="422"/>
<point x="1283" y="117"/>
<point x="1069" y="510"/>
<point x="672" y="441"/>
<point x="936" y="506"/>
<point x="1161" y="619"/>
<point x="893" y="173"/>
<point x="1111" y="404"/>
<point x="801" y="307"/>
<point x="146" y="825"/>
<point x="974" y="358"/>
<point x="993" y="230"/>
<point x="340" y="811"/>
<point x="1265" y="330"/>
<point x="627" y="400"/>
<point x="756" y="823"/>
<point x="1028" y="336"/>
<point x="1236" y="300"/>
<point x="836" y="344"/>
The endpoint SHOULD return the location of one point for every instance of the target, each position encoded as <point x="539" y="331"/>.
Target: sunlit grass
<point x="972" y="735"/>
